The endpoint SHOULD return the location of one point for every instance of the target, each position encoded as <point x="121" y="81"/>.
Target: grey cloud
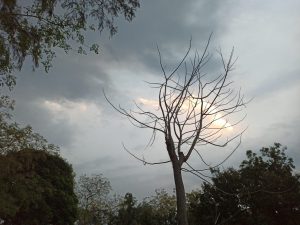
<point x="60" y="134"/>
<point x="164" y="23"/>
<point x="169" y="24"/>
<point x="284" y="132"/>
<point x="161" y="22"/>
<point x="73" y="77"/>
<point x="279" y="82"/>
<point x="94" y="166"/>
<point x="143" y="180"/>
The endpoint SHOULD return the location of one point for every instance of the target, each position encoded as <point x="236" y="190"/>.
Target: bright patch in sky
<point x="219" y="120"/>
<point x="74" y="112"/>
<point x="148" y="102"/>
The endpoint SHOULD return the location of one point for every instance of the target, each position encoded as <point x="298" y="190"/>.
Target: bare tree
<point x="193" y="110"/>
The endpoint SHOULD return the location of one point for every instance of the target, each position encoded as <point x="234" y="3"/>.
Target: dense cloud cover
<point x="67" y="104"/>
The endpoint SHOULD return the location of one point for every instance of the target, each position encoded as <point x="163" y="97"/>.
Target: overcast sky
<point x="67" y="105"/>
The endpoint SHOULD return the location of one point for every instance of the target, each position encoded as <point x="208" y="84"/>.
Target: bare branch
<point x="193" y="111"/>
<point x="142" y="160"/>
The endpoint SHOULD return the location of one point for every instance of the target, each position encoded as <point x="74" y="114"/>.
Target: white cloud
<point x="75" y="112"/>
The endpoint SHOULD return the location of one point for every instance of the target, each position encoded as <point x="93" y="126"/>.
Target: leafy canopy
<point x="36" y="188"/>
<point x="264" y="190"/>
<point x="34" y="28"/>
<point x="14" y="138"/>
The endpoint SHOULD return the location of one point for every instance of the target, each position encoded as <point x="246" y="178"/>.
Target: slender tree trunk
<point x="180" y="195"/>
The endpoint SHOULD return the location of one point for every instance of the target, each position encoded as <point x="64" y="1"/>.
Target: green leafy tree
<point x="218" y="201"/>
<point x="276" y="189"/>
<point x="94" y="200"/>
<point x="154" y="210"/>
<point x="15" y="138"/>
<point x="264" y="190"/>
<point x="158" y="209"/>
<point x="127" y="211"/>
<point x="36" y="187"/>
<point x="34" y="181"/>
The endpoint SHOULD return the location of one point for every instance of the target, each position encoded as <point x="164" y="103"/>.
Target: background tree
<point x="264" y="190"/>
<point x="158" y="209"/>
<point x="36" y="187"/>
<point x="127" y="212"/>
<point x="218" y="203"/>
<point x="15" y="138"/>
<point x="193" y="111"/>
<point x="35" y="182"/>
<point x="94" y="200"/>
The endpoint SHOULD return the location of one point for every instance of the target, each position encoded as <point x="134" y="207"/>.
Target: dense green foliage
<point x="36" y="187"/>
<point x="264" y="190"/>
<point x="36" y="184"/>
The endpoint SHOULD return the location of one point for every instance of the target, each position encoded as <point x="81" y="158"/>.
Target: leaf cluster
<point x="35" y="28"/>
<point x="14" y="138"/>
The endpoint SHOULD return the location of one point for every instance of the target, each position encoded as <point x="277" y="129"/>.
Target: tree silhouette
<point x="264" y="190"/>
<point x="192" y="111"/>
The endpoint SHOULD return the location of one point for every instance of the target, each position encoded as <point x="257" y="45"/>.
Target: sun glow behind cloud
<point x="219" y="120"/>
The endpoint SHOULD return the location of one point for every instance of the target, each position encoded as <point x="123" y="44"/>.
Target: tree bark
<point x="180" y="195"/>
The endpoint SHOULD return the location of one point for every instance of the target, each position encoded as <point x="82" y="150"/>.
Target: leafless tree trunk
<point x="180" y="194"/>
<point x="193" y="110"/>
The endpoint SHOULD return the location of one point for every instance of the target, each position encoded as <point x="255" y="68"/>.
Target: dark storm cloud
<point x="164" y="23"/>
<point x="126" y="59"/>
<point x="170" y="24"/>
<point x="72" y="77"/>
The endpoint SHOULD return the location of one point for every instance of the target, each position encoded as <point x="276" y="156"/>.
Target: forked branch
<point x="194" y="109"/>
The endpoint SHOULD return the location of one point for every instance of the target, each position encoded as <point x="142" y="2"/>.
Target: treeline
<point x="37" y="186"/>
<point x="263" y="190"/>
